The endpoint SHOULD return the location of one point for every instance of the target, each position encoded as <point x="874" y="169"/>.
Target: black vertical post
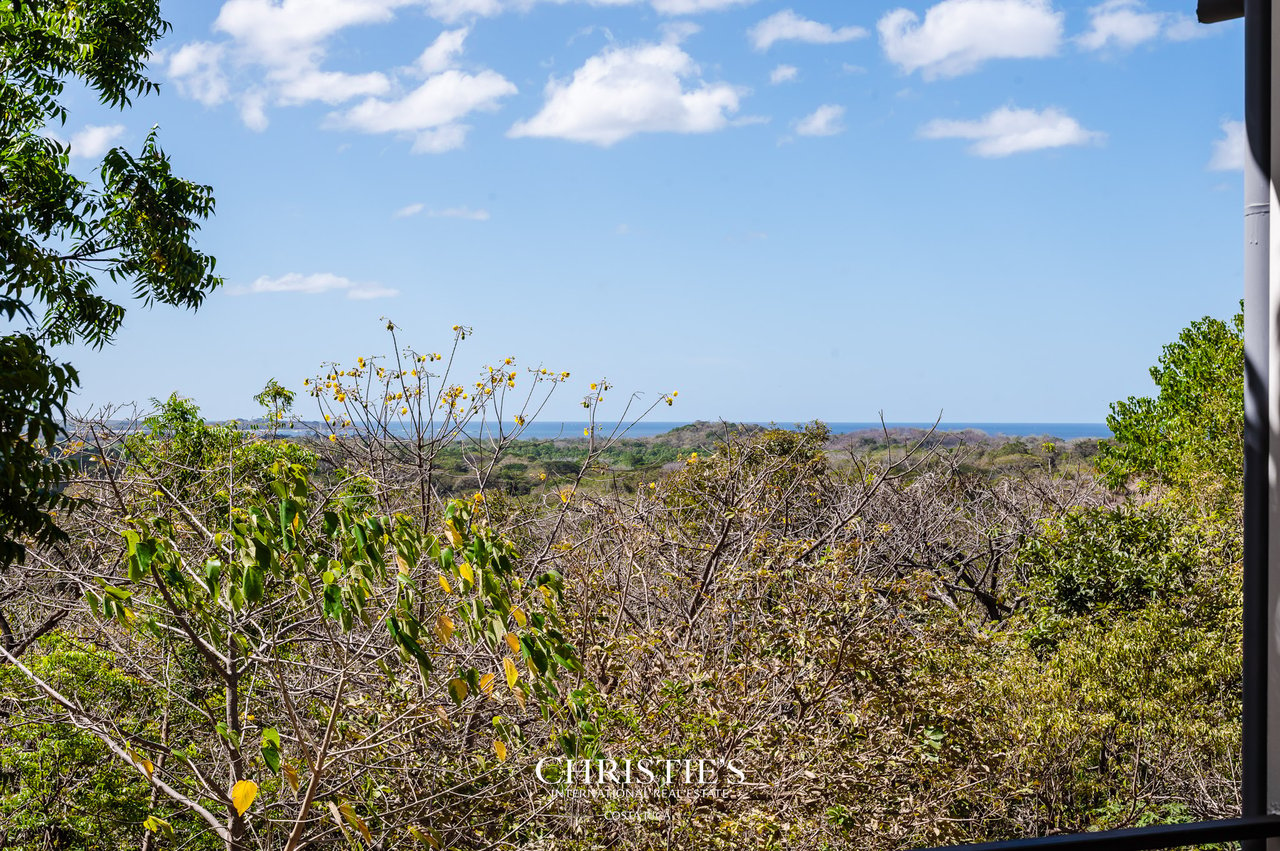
<point x="1257" y="490"/>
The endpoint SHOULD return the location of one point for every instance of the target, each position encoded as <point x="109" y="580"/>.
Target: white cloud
<point x="297" y="86"/>
<point x="823" y="121"/>
<point x="783" y="74"/>
<point x="275" y="31"/>
<point x="1010" y="131"/>
<point x="276" y="51"/>
<point x="1122" y="24"/>
<point x="629" y="90"/>
<point x="692" y="7"/>
<point x="321" y="282"/>
<point x="788" y="26"/>
<point x="460" y="213"/>
<point x="957" y="36"/>
<point x="452" y="11"/>
<point x="93" y="140"/>
<point x="1230" y="151"/>
<point x="253" y="110"/>
<point x="407" y="211"/>
<point x="438" y="140"/>
<point x="441" y="53"/>
<point x="1185" y="28"/>
<point x="675" y="32"/>
<point x="432" y="111"/>
<point x="196" y="69"/>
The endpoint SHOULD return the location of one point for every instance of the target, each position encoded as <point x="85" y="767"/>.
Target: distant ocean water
<point x="1062" y="431"/>
<point x="539" y="430"/>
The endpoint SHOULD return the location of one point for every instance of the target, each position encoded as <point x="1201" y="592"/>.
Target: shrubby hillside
<point x="878" y="641"/>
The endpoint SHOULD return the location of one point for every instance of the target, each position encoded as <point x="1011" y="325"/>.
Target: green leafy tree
<point x="60" y="234"/>
<point x="1191" y="434"/>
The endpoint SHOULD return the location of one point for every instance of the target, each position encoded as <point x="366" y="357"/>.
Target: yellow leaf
<point x="428" y="836"/>
<point x="141" y="761"/>
<point x="291" y="775"/>
<point x="458" y="688"/>
<point x="519" y="696"/>
<point x="242" y="795"/>
<point x="500" y="749"/>
<point x="444" y="718"/>
<point x="521" y="620"/>
<point x="444" y="627"/>
<point x="355" y="821"/>
<point x="451" y="532"/>
<point x="402" y="564"/>
<point x="509" y="668"/>
<point x="486" y="684"/>
<point x="512" y="642"/>
<point x="464" y="570"/>
<point x="155" y="824"/>
<point x="444" y="583"/>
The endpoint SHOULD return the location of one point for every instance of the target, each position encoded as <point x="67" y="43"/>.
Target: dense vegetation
<point x="372" y="635"/>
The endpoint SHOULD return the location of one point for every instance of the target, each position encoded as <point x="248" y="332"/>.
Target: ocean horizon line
<point x="571" y="429"/>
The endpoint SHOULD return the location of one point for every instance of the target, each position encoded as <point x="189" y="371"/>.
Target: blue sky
<point x="997" y="209"/>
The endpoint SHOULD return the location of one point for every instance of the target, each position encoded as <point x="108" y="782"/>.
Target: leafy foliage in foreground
<point x="1191" y="434"/>
<point x="58" y="232"/>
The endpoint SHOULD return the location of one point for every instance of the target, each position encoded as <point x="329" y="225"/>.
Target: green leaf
<point x="252" y="586"/>
<point x="271" y="756"/>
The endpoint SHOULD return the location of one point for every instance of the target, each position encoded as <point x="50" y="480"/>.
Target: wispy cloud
<point x="432" y="114"/>
<point x="783" y="74"/>
<point x="197" y="69"/>
<point x="315" y="284"/>
<point x="460" y="213"/>
<point x="407" y="211"/>
<point x="1009" y="130"/>
<point x="276" y="54"/>
<point x="1123" y="24"/>
<point x="826" y="120"/>
<point x="788" y="26"/>
<point x="94" y="140"/>
<point x="1229" y="152"/>
<point x="690" y="7"/>
<point x="957" y="36"/>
